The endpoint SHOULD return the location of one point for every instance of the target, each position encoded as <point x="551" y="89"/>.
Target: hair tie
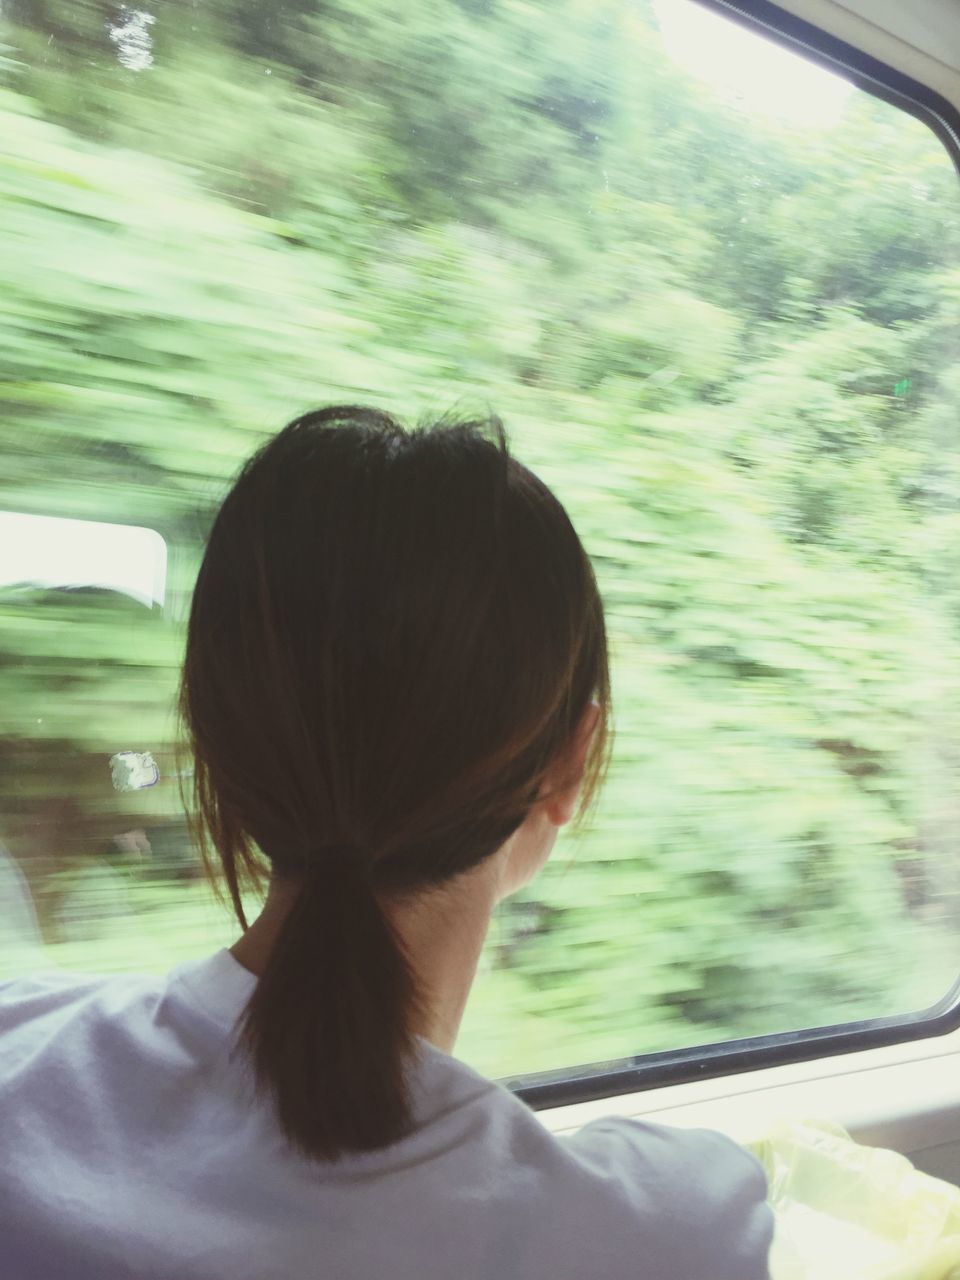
<point x="336" y="854"/>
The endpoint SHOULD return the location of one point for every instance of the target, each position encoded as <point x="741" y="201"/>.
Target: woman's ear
<point x="562" y="784"/>
<point x="529" y="847"/>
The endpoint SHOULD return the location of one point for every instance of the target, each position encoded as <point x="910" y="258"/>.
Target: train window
<point x="711" y="287"/>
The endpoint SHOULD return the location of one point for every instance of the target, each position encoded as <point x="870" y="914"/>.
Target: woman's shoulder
<point x="32" y="992"/>
<point x="692" y="1198"/>
<point x="659" y="1155"/>
<point x="688" y="1202"/>
<point x="54" y="998"/>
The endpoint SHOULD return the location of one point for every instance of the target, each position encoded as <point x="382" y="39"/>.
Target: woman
<point x="396" y="691"/>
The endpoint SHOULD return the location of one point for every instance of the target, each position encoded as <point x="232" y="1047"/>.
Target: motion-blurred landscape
<point x="726" y="338"/>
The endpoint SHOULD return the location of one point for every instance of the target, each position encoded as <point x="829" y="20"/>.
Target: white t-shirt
<point x="131" y="1145"/>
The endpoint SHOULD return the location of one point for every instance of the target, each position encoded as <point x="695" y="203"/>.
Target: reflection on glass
<point x="717" y="312"/>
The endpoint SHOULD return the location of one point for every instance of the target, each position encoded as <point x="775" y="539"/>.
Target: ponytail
<point x="328" y="1026"/>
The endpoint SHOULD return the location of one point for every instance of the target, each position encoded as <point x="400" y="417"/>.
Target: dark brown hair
<point x="394" y="635"/>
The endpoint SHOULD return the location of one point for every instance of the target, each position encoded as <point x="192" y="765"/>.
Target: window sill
<point x="906" y="1097"/>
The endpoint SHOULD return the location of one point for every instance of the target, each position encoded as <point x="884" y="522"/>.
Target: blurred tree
<point x="728" y="341"/>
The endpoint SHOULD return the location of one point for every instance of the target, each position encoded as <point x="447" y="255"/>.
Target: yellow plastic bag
<point x="847" y="1212"/>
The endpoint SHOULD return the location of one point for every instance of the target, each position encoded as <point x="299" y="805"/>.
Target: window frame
<point x="649" y="1071"/>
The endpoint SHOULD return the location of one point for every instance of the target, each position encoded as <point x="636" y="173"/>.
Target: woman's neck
<point x="442" y="933"/>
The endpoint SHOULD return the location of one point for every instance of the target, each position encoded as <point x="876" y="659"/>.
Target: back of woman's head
<point x="394" y="635"/>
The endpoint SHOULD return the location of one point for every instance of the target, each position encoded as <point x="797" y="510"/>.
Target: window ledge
<point x="906" y="1097"/>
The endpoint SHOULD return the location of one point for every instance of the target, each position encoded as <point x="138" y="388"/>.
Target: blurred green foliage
<point x="726" y="341"/>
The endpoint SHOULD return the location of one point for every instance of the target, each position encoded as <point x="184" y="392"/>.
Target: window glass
<point x="711" y="288"/>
